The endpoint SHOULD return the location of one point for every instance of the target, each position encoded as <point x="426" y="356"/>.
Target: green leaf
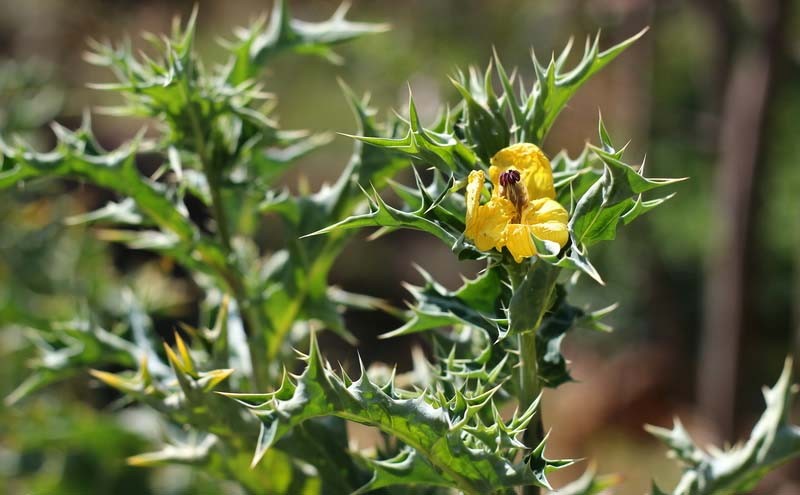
<point x="773" y="441"/>
<point x="552" y="366"/>
<point x="577" y="259"/>
<point x="368" y="165"/>
<point x="616" y="195"/>
<point x="532" y="296"/>
<point x="435" y="199"/>
<point x="323" y="443"/>
<point x="193" y="451"/>
<point x="77" y="155"/>
<point x="573" y="177"/>
<point x="486" y="128"/>
<point x="442" y="150"/>
<point x="267" y="165"/>
<point x="555" y="86"/>
<point x="446" y="433"/>
<point x="385" y="215"/>
<point x="67" y="348"/>
<point x="124" y="212"/>
<point x="475" y="304"/>
<point x="256" y="45"/>
<point x="406" y="468"/>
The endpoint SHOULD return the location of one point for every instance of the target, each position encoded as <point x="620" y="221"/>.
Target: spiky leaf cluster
<point x="472" y="325"/>
<point x="773" y="441"/>
<point x="217" y="144"/>
<point x="598" y="188"/>
<point x="446" y="441"/>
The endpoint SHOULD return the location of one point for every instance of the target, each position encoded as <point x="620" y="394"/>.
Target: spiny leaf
<point x="67" y="348"/>
<point x="442" y="150"/>
<point x="260" y="42"/>
<point x="124" y="212"/>
<point x="385" y="215"/>
<point x="475" y="304"/>
<point x="552" y="366"/>
<point x="435" y="199"/>
<point x="616" y="195"/>
<point x="137" y="384"/>
<point x="77" y="155"/>
<point x="436" y="430"/>
<point x="485" y="127"/>
<point x="194" y="451"/>
<point x="773" y="441"/>
<point x="368" y="165"/>
<point x="554" y="86"/>
<point x="406" y="468"/>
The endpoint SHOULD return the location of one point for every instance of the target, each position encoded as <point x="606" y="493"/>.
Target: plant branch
<point x="530" y="386"/>
<point x="230" y="273"/>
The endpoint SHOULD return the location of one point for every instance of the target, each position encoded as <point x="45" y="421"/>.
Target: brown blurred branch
<point x="748" y="98"/>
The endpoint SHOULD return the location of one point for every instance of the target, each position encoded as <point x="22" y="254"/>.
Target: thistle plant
<point x="467" y="418"/>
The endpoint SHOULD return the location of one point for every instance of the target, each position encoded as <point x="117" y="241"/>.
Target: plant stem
<point x="233" y="277"/>
<point x="217" y="206"/>
<point x="530" y="387"/>
<point x="529" y="390"/>
<point x="230" y="272"/>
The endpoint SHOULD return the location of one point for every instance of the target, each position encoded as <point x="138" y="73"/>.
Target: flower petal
<point x="533" y="165"/>
<point x="544" y="218"/>
<point x="489" y="223"/>
<point x="485" y="223"/>
<point x="517" y="238"/>
<point x="473" y="196"/>
<point x="544" y="210"/>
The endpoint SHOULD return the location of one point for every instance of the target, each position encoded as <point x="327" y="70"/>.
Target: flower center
<point x="511" y="189"/>
<point x="509" y="178"/>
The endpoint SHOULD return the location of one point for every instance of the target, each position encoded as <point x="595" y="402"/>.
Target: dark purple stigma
<point x="509" y="178"/>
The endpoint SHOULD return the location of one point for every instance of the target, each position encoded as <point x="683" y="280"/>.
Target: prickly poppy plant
<point x="246" y="409"/>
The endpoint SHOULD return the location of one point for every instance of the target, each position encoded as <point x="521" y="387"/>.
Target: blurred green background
<point x="709" y="284"/>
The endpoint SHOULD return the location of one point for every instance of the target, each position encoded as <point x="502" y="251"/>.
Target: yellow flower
<point x="522" y="203"/>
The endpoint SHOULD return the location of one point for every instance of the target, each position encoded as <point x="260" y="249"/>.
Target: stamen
<point x="509" y="178"/>
<point x="511" y="189"/>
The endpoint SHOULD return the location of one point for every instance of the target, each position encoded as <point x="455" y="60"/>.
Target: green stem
<point x="230" y="272"/>
<point x="214" y="184"/>
<point x="530" y="387"/>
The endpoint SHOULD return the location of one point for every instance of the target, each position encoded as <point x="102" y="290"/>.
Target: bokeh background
<point x="708" y="285"/>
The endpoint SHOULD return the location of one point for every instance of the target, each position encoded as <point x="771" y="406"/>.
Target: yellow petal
<point x="544" y="210"/>
<point x="473" y="197"/>
<point x="533" y="166"/>
<point x="517" y="239"/>
<point x="485" y="223"/>
<point x="489" y="223"/>
<point x="544" y="218"/>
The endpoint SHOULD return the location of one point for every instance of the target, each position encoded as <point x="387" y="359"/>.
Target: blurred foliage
<point x="739" y="469"/>
<point x="215" y="131"/>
